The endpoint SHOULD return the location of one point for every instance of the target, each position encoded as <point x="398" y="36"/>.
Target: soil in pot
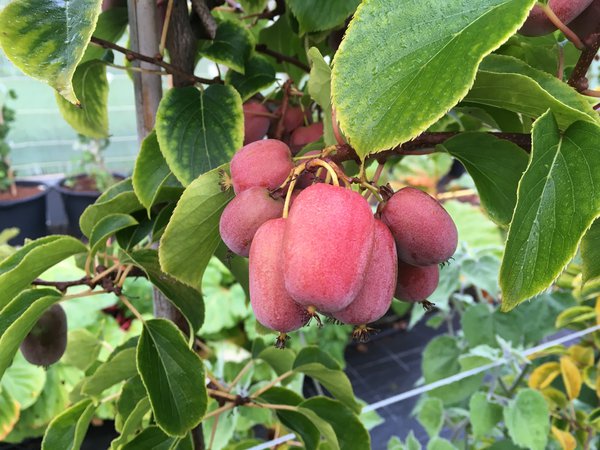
<point x="77" y="195"/>
<point x="25" y="211"/>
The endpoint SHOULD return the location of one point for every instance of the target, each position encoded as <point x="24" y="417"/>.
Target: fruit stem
<point x="220" y="410"/>
<point x="320" y="162"/>
<point x="240" y="374"/>
<point x="103" y="274"/>
<point x="293" y="179"/>
<point x="131" y="308"/>
<point x="268" y="386"/>
<point x="569" y="34"/>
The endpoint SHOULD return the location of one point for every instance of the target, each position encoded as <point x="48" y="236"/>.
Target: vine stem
<point x="156" y="60"/>
<point x="280" y="57"/>
<point x="268" y="386"/>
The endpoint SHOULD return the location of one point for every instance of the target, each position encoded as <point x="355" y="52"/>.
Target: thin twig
<point x="280" y="57"/>
<point x="240" y="374"/>
<point x="131" y="55"/>
<point x="165" y="29"/>
<point x="268" y="386"/>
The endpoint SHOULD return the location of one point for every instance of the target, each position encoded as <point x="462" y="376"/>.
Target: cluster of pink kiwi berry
<point x="315" y="246"/>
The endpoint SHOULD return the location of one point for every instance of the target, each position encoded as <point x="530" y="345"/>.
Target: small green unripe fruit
<point x="538" y="24"/>
<point x="415" y="284"/>
<point x="256" y="121"/>
<point x="272" y="305"/>
<point x="244" y="215"/>
<point x="327" y="246"/>
<point x="424" y="232"/>
<point x="377" y="292"/>
<point x="266" y="163"/>
<point x="47" y="341"/>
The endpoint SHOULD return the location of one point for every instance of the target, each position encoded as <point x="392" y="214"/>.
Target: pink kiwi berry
<point x="266" y="163"/>
<point x="587" y="22"/>
<point x="538" y="24"/>
<point x="272" y="305"/>
<point x="303" y="136"/>
<point x="375" y="296"/>
<point x="256" y="121"/>
<point x="293" y="118"/>
<point x="424" y="232"/>
<point x="244" y="215"/>
<point x="414" y="283"/>
<point x="327" y="246"/>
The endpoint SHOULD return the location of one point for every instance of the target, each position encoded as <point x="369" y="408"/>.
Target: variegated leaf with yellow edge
<point x="554" y="350"/>
<point x="556" y="399"/>
<point x="597" y="309"/>
<point x="589" y="375"/>
<point x="575" y="316"/>
<point x="571" y="377"/>
<point x="598" y="381"/>
<point x="543" y="375"/>
<point x="565" y="439"/>
<point x="582" y="356"/>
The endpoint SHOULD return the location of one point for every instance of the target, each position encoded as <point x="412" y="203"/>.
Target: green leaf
<point x="324" y="427"/>
<point x="83" y="349"/>
<point x="107" y="226"/>
<point x="119" y="198"/>
<point x="424" y="58"/>
<point x="133" y="422"/>
<point x="319" y="88"/>
<point x="68" y="429"/>
<point x="281" y="38"/>
<point x="111" y="25"/>
<point x="505" y="82"/>
<point x="253" y="6"/>
<point x="237" y="265"/>
<point x="258" y="74"/>
<point x="528" y="419"/>
<point x="132" y="393"/>
<point x="9" y="413"/>
<point x="24" y="381"/>
<point x="317" y="15"/>
<point x="231" y="46"/>
<point x="438" y="443"/>
<point x="496" y="166"/>
<point x="351" y="433"/>
<point x="47" y="38"/>
<point x="18" y="318"/>
<point x="151" y="171"/>
<point x="299" y="423"/>
<point x="90" y="117"/>
<point x="319" y="365"/>
<point x="441" y="360"/>
<point x="25" y="265"/>
<point x="484" y="414"/>
<point x="153" y="438"/>
<point x="173" y="375"/>
<point x="198" y="131"/>
<point x="590" y="252"/>
<point x="556" y="204"/>
<point x="119" y="367"/>
<point x="193" y="231"/>
<point x="185" y="298"/>
<point x="431" y="415"/>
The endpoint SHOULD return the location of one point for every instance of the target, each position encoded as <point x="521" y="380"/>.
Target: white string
<point x="443" y="382"/>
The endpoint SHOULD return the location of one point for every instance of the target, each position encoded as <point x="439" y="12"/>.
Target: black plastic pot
<point x="27" y="214"/>
<point x="75" y="203"/>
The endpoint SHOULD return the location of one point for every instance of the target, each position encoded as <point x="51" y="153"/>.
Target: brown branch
<point x="280" y="57"/>
<point x="578" y="78"/>
<point x="156" y="60"/>
<point x="423" y="145"/>
<point x="108" y="281"/>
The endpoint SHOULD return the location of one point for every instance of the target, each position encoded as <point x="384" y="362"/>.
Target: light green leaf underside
<point x="46" y="39"/>
<point x="173" y="375"/>
<point x="319" y="88"/>
<point x="198" y="131"/>
<point x="91" y="88"/>
<point x="399" y="69"/>
<point x="557" y="201"/>
<point x="496" y="166"/>
<point x="528" y="420"/>
<point x="21" y="268"/>
<point x="319" y="15"/>
<point x="508" y="83"/>
<point x="107" y="226"/>
<point x="192" y="235"/>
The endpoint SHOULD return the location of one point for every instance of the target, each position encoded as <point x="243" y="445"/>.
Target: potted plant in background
<point x="91" y="179"/>
<point x="22" y="203"/>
